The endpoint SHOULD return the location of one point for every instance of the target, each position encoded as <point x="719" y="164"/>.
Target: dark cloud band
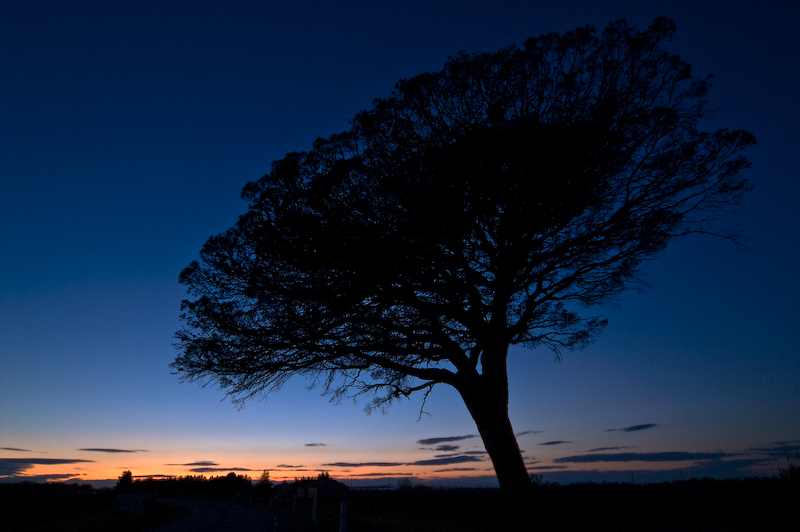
<point x="106" y="450"/>
<point x="640" y="457"/>
<point x="13" y="466"/>
<point x="458" y="459"/>
<point x="200" y="463"/>
<point x="447" y="439"/>
<point x="446" y="461"/>
<point x="363" y="464"/>
<point x="634" y="428"/>
<point x="217" y="469"/>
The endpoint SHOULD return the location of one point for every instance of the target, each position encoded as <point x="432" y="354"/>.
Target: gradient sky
<point x="127" y="130"/>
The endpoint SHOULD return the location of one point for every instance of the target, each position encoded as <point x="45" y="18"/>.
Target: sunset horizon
<point x="127" y="133"/>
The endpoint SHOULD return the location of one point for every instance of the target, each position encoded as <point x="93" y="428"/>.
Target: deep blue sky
<point x="127" y="130"/>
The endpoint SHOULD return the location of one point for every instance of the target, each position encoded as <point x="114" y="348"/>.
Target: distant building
<point x="320" y="488"/>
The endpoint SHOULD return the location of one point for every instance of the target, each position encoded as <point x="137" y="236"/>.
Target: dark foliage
<point x="228" y="487"/>
<point x="790" y="472"/>
<point x="476" y="208"/>
<point x="125" y="482"/>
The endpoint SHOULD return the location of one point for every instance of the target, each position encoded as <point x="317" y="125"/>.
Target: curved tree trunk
<point x="488" y="405"/>
<point x="486" y="398"/>
<point x="494" y="427"/>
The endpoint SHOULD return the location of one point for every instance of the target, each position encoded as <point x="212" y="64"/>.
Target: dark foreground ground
<point x="697" y="505"/>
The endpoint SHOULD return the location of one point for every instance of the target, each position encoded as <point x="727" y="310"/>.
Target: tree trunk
<point x="486" y="398"/>
<point x="491" y="418"/>
<point x="488" y="405"/>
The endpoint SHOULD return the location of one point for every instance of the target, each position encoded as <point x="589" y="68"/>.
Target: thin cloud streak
<point x="641" y="457"/>
<point x="779" y="447"/>
<point x="447" y="439"/>
<point x="364" y="464"/>
<point x="555" y="442"/>
<point x="218" y="469"/>
<point x="55" y="477"/>
<point x="13" y="466"/>
<point x="382" y="475"/>
<point x="634" y="428"/>
<point x="446" y="461"/>
<point x="786" y="442"/>
<point x="105" y="450"/>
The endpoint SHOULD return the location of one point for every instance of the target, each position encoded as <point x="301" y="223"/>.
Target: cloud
<point x="518" y="434"/>
<point x="634" y="428"/>
<point x="287" y="466"/>
<point x="199" y="463"/>
<point x="383" y="475"/>
<point x="779" y="447"/>
<point x="640" y="457"/>
<point x="464" y="481"/>
<point x="54" y="477"/>
<point x="446" y="461"/>
<point x="363" y="464"/>
<point x="607" y="449"/>
<point x="719" y="469"/>
<point x="549" y="467"/>
<point x="15" y="449"/>
<point x="316" y="445"/>
<point x="455" y="469"/>
<point x="13" y="466"/>
<point x="447" y="439"/>
<point x="104" y="450"/>
<point x="555" y="442"/>
<point x="447" y="448"/>
<point x="217" y="469"/>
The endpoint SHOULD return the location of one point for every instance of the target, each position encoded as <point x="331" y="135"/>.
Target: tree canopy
<point x="482" y="206"/>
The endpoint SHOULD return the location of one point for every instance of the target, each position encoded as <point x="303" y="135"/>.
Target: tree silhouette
<point x="125" y="482"/>
<point x="476" y="208"/>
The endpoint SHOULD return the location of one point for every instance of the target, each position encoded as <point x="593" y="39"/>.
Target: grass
<point x="72" y="508"/>
<point x="737" y="505"/>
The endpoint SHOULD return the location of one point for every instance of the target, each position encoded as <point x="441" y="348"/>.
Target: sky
<point x="127" y="130"/>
